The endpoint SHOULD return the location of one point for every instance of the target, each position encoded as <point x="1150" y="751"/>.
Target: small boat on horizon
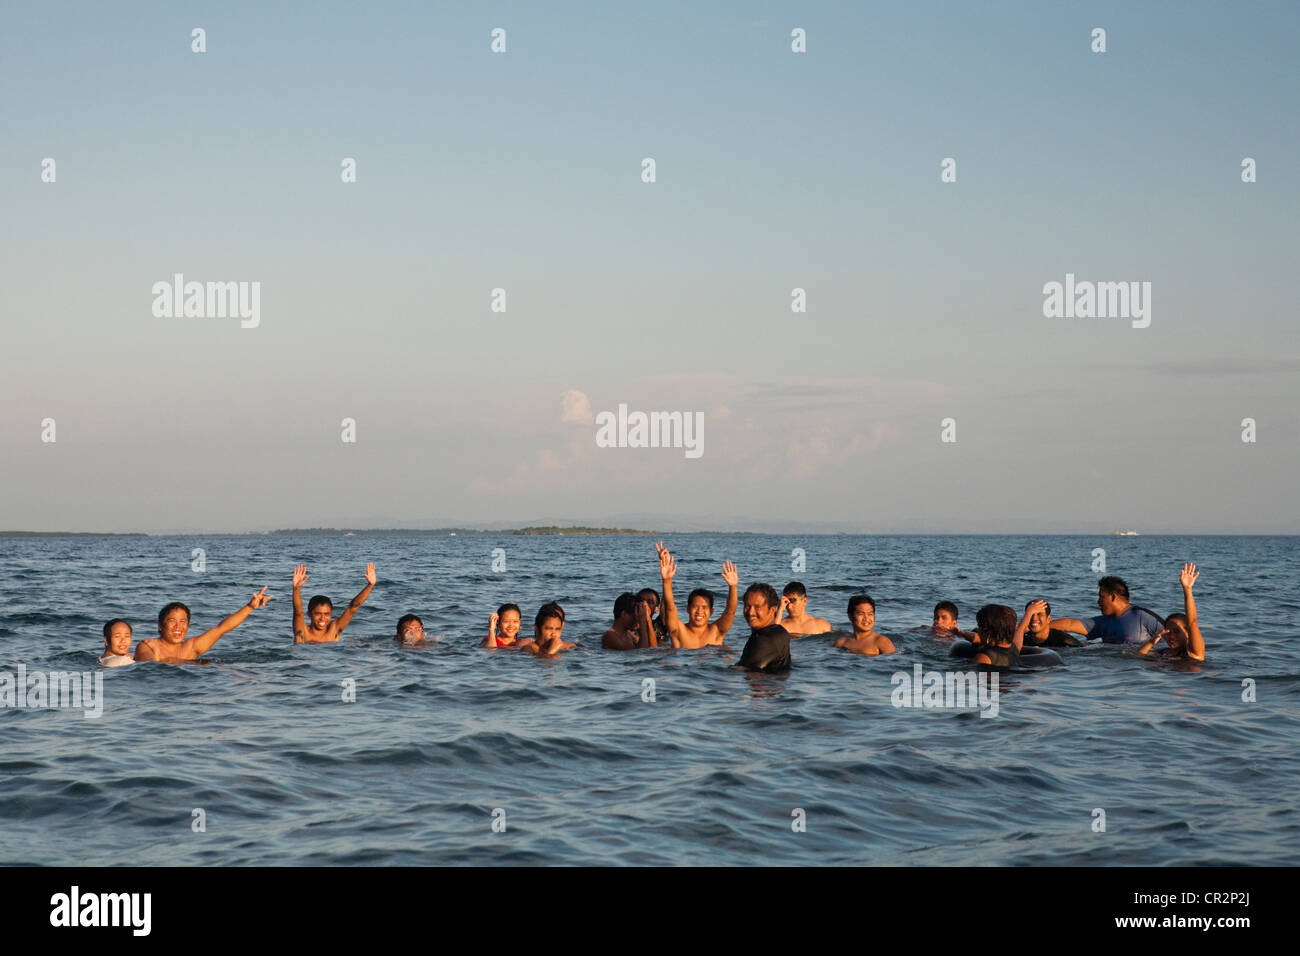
<point x="1125" y="534"/>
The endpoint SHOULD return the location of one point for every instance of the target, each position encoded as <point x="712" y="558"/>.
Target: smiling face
<point x="698" y="611"/>
<point x="864" y="618"/>
<point x="758" y="613"/>
<point x="172" y="628"/>
<point x="509" y="625"/>
<point x="1039" y="624"/>
<point x="119" y="640"/>
<point x="320" y="616"/>
<point x="1175" y="636"/>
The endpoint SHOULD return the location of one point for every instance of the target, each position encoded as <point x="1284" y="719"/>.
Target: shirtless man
<point x="632" y="628"/>
<point x="797" y="620"/>
<point x="117" y="644"/>
<point x="324" y="627"/>
<point x="548" y="633"/>
<point x="865" y="640"/>
<point x="696" y="630"/>
<point x="172" y="647"/>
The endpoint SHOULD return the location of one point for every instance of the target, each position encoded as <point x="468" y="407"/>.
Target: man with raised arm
<point x="797" y="620"/>
<point x="321" y="626"/>
<point x="696" y="630"/>
<point x="171" y="645"/>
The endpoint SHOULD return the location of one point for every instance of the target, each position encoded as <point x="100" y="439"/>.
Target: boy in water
<point x="768" y="647"/>
<point x="1181" y="633"/>
<point x="510" y="619"/>
<point x="696" y="631"/>
<point x="171" y="645"/>
<point x="629" y="633"/>
<point x="410" y="632"/>
<point x="548" y="631"/>
<point x="1119" y="622"/>
<point x="945" y="620"/>
<point x="117" y="644"/>
<point x="794" y="607"/>
<point x="323" y="626"/>
<point x="865" y="640"/>
<point x="1041" y="633"/>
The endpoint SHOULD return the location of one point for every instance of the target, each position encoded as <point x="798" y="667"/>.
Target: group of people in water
<point x="999" y="639"/>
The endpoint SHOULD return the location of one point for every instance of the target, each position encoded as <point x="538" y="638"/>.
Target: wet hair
<point x="406" y="619"/>
<point x="857" y="600"/>
<point x="1047" y="610"/>
<point x="997" y="624"/>
<point x="795" y="589"/>
<point x="108" y="628"/>
<point x="766" y="591"/>
<point x="701" y="593"/>
<point x="946" y="606"/>
<point x="1113" y="586"/>
<point x="625" y="603"/>
<point x="547" y="611"/>
<point x="501" y="611"/>
<point x="1181" y="618"/>
<point x="317" y="601"/>
<point x="174" y="606"/>
<point x="645" y="594"/>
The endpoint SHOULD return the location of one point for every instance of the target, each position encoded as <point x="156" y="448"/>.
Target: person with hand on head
<point x="320" y="626"/>
<point x="696" y="631"/>
<point x="794" y="607"/>
<point x="171" y="646"/>
<point x="509" y="619"/>
<point x="1181" y="633"/>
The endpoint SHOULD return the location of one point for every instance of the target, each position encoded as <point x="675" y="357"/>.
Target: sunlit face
<point x="412" y="631"/>
<point x="943" y="620"/>
<point x="1040" y="623"/>
<point x="1175" y="635"/>
<point x="119" y="639"/>
<point x="1106" y="602"/>
<point x="758" y="613"/>
<point x="864" y="618"/>
<point x="509" y="624"/>
<point x="552" y="629"/>
<point x="796" y="603"/>
<point x="320" y="618"/>
<point x="173" y="626"/>
<point x="698" y="611"/>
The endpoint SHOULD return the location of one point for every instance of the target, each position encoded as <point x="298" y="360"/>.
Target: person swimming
<point x="509" y="618"/>
<point x="768" y="647"/>
<point x="1042" y="634"/>
<point x="794" y="607"/>
<point x="865" y="640"/>
<point x="696" y="631"/>
<point x="410" y="632"/>
<point x="945" y="620"/>
<point x="171" y="646"/>
<point x="1119" y="622"/>
<point x="323" y="627"/>
<point x="117" y="644"/>
<point x="548" y="632"/>
<point x="1181" y="633"/>
<point x="1000" y="639"/>
<point x="628" y="633"/>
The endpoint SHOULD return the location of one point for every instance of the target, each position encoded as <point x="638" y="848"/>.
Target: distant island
<point x="550" y="529"/>
<point x="73" y="534"/>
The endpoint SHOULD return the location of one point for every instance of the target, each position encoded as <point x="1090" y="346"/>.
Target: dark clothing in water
<point x="767" y="650"/>
<point x="1055" y="638"/>
<point x="1000" y="656"/>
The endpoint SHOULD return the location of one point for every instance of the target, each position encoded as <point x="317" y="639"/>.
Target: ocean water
<point x="717" y="769"/>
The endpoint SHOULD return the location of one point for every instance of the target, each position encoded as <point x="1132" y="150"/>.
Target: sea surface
<point x="817" y="767"/>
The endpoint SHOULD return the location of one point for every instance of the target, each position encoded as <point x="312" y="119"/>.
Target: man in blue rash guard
<point x="1119" y="623"/>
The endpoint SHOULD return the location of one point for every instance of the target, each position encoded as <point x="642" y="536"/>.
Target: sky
<point x="774" y="171"/>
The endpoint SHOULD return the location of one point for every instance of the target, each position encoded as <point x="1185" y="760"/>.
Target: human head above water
<point x="549" y="623"/>
<point x="945" y="615"/>
<point x="320" y="609"/>
<point x="412" y="622"/>
<point x="173" y="622"/>
<point x="997" y="624"/>
<point x="625" y="604"/>
<point x="650" y="595"/>
<point x="761" y="604"/>
<point x="509" y="618"/>
<point x="117" y="636"/>
<point x="1041" y="622"/>
<point x="862" y="612"/>
<point x="1176" y="632"/>
<point x="1112" y="594"/>
<point x="794" y="589"/>
<point x="699" y="605"/>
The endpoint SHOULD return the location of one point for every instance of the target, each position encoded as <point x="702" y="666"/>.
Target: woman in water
<point x="1181" y="634"/>
<point x="507" y="616"/>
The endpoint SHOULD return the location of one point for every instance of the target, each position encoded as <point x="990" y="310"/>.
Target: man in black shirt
<point x="768" y="648"/>
<point x="1041" y="633"/>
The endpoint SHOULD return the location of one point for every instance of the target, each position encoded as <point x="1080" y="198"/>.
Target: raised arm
<point x="645" y="626"/>
<point x="667" y="568"/>
<point x="203" y="643"/>
<point x="1195" y="643"/>
<point x="299" y="622"/>
<point x="728" y="615"/>
<point x="346" y="617"/>
<point x="491" y="639"/>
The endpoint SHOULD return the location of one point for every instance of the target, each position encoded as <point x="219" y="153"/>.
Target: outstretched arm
<point x="667" y="568"/>
<point x="203" y="643"/>
<point x="728" y="615"/>
<point x="346" y="617"/>
<point x="1195" y="642"/>
<point x="1071" y="624"/>
<point x="299" y="622"/>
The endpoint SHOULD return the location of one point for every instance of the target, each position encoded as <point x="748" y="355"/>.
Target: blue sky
<point x="774" y="171"/>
